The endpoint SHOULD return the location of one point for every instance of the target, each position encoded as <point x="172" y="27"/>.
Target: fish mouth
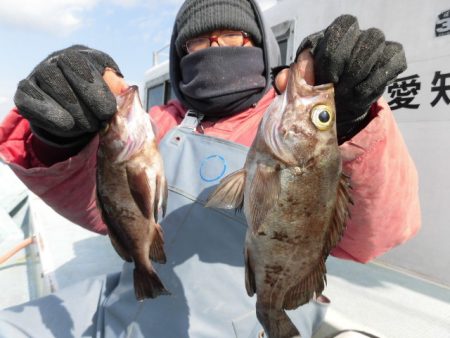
<point x="130" y="90"/>
<point x="126" y="99"/>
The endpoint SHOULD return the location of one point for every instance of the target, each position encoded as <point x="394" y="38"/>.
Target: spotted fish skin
<point x="295" y="198"/>
<point x="132" y="191"/>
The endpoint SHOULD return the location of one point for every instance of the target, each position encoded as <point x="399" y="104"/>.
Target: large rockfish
<point x="295" y="199"/>
<point x="132" y="191"/>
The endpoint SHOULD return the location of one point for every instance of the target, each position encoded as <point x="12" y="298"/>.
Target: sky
<point x="128" y="30"/>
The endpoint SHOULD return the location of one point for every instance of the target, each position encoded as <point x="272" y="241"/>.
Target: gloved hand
<point x="65" y="98"/>
<point x="360" y="63"/>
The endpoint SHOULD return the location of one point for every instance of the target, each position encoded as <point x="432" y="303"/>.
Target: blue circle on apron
<point x="212" y="168"/>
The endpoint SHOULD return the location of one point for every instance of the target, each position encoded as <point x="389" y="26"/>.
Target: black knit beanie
<point x="197" y="17"/>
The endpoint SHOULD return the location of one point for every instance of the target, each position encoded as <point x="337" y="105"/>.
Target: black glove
<point x="65" y="97"/>
<point x="360" y="63"/>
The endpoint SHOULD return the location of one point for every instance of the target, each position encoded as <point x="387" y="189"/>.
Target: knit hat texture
<point x="197" y="17"/>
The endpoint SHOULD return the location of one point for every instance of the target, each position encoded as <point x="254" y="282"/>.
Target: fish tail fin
<point x="147" y="283"/>
<point x="276" y="323"/>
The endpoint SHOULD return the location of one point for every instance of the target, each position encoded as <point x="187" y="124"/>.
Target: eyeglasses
<point x="229" y="39"/>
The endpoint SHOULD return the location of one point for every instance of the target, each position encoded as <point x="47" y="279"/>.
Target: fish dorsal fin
<point x="157" y="248"/>
<point x="264" y="192"/>
<point x="341" y="213"/>
<point x="303" y="292"/>
<point x="140" y="189"/>
<point x="230" y="192"/>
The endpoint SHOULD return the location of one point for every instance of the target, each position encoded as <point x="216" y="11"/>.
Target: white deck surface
<point x="384" y="302"/>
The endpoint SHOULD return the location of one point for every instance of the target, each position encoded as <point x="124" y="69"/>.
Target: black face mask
<point x="220" y="81"/>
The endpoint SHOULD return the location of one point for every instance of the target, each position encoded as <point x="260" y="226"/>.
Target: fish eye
<point x="322" y="117"/>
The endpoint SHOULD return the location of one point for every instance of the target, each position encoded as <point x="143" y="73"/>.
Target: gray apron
<point x="204" y="270"/>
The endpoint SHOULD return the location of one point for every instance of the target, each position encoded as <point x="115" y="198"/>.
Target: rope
<point x="22" y="245"/>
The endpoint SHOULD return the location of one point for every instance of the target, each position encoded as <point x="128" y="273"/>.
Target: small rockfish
<point x="295" y="198"/>
<point x="132" y="191"/>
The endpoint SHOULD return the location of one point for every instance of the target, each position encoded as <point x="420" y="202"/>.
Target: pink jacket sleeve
<point x="386" y="212"/>
<point x="67" y="186"/>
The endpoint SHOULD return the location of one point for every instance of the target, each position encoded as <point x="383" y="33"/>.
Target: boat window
<point x="155" y="96"/>
<point x="283" y="49"/>
<point x="169" y="92"/>
<point x="284" y="33"/>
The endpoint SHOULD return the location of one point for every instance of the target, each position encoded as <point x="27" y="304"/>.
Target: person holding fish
<point x="241" y="120"/>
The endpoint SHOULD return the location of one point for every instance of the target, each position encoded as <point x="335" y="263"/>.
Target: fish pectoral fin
<point x="341" y="213"/>
<point x="157" y="253"/>
<point x="230" y="192"/>
<point x="264" y="193"/>
<point x="303" y="292"/>
<point x="161" y="193"/>
<point x="140" y="189"/>
<point x="250" y="283"/>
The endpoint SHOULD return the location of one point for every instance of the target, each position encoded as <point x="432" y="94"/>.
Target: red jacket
<point x="386" y="209"/>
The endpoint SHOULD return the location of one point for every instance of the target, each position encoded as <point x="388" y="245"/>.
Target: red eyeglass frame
<point x="245" y="35"/>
